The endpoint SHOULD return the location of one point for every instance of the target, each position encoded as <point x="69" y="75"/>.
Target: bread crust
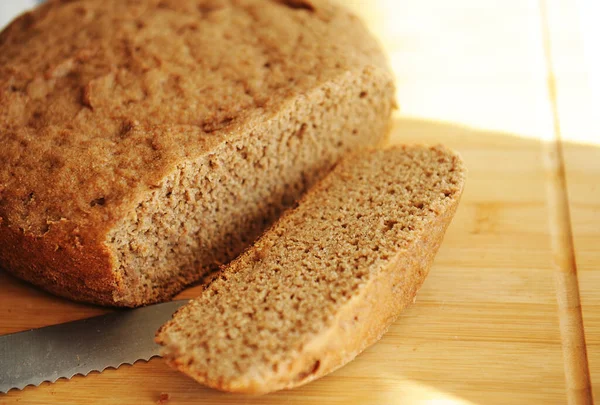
<point x="82" y="272"/>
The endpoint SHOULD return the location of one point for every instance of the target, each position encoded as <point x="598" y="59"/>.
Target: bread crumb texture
<point x="326" y="280"/>
<point x="146" y="142"/>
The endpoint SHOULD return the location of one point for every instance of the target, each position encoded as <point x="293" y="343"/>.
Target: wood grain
<point x="486" y="327"/>
<point x="566" y="276"/>
<point x="576" y="102"/>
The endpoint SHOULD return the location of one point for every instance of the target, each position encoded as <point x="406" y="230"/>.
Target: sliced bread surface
<point x="144" y="143"/>
<point x="326" y="280"/>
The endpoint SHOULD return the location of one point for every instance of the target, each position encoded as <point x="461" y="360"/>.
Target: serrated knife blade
<point x="79" y="347"/>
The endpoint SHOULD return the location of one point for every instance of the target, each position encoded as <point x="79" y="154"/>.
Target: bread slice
<point x="326" y="280"/>
<point x="144" y="143"/>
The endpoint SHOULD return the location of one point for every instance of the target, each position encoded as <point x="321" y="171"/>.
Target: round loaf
<point x="146" y="142"/>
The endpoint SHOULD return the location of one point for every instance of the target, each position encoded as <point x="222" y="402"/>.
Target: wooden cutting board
<point x="499" y="319"/>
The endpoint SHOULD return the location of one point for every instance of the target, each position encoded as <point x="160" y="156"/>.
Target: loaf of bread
<point x="144" y="143"/>
<point x="326" y="280"/>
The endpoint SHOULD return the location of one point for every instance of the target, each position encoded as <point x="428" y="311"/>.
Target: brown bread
<point x="326" y="280"/>
<point x="144" y="143"/>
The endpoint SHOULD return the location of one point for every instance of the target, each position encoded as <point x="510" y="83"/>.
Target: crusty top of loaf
<point x="99" y="99"/>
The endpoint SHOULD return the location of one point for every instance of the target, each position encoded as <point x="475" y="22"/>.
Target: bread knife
<point x="79" y="347"/>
